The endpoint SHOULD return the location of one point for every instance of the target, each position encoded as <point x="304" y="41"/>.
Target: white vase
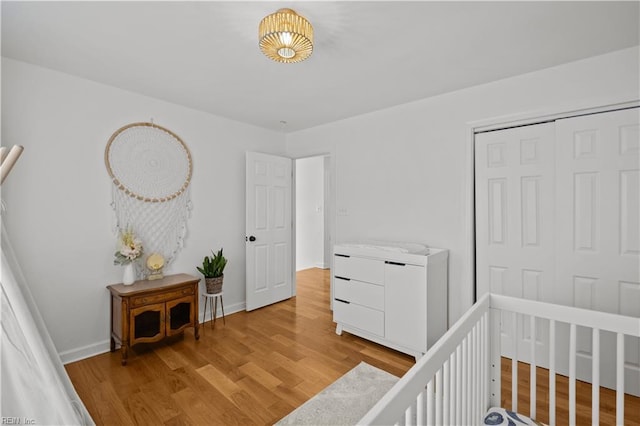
<point x="129" y="275"/>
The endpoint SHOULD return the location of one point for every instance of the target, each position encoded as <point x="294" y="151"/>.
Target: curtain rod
<point x="7" y="160"/>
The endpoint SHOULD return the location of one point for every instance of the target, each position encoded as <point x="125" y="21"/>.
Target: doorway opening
<point x="313" y="240"/>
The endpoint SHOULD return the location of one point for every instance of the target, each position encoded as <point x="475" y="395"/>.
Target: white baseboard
<point x="228" y="310"/>
<point x="104" y="346"/>
<point x="314" y="265"/>
<point x="84" y="352"/>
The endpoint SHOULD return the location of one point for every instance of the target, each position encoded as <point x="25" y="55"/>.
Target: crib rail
<point x="459" y="377"/>
<point x="596" y="321"/>
<point x="449" y="384"/>
<point x="582" y="317"/>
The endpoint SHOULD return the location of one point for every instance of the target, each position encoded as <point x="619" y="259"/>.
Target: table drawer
<point x="358" y="316"/>
<point x="161" y="297"/>
<point x="365" y="294"/>
<point x="359" y="268"/>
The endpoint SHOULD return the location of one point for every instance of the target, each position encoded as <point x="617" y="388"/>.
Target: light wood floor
<point x="259" y="367"/>
<point x="254" y="370"/>
<point x="583" y="398"/>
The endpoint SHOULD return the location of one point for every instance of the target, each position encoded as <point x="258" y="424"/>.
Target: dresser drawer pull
<point x="144" y="300"/>
<point x="342" y="255"/>
<point x="394" y="263"/>
<point x="343" y="278"/>
<point x="343" y="301"/>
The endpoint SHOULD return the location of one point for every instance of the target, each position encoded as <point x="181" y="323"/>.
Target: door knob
<point x="252" y="238"/>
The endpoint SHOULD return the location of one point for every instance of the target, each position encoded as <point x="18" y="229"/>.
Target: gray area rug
<point x="346" y="400"/>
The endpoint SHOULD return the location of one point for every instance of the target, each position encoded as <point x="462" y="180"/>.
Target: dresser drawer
<point x="370" y="295"/>
<point x="359" y="268"/>
<point x="358" y="316"/>
<point x="160" y="297"/>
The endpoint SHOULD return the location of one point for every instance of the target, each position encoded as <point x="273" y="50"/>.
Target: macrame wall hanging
<point x="150" y="169"/>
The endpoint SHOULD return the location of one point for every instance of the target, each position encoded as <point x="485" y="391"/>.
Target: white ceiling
<point x="367" y="55"/>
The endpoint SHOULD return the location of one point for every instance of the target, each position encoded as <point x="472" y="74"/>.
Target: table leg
<point x="224" y="321"/>
<point x="124" y="348"/>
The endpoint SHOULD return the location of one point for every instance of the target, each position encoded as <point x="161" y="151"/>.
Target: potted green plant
<point x="213" y="271"/>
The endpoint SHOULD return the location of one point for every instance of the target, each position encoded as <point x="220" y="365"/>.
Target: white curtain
<point x="35" y="386"/>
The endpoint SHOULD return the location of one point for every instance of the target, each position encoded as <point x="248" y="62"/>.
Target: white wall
<point x="58" y="214"/>
<point x="309" y="213"/>
<point x="404" y="173"/>
<point x="400" y="173"/>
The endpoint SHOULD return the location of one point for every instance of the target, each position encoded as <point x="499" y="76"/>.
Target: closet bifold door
<point x="598" y="244"/>
<point x="515" y="178"/>
<point x="557" y="207"/>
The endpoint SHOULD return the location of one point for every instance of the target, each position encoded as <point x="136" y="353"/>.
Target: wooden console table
<point x="148" y="311"/>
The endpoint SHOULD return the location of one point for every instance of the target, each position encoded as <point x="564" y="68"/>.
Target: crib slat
<point x="481" y="383"/>
<point x="408" y="415"/>
<point x="488" y="361"/>
<point x="552" y="372"/>
<point x="495" y="373"/>
<point x="484" y="338"/>
<point x="454" y="387"/>
<point x="479" y="367"/>
<point x="430" y="403"/>
<point x="421" y="415"/>
<point x="595" y="377"/>
<point x="572" y="374"/>
<point x="473" y="375"/>
<point x="620" y="380"/>
<point x="477" y="373"/>
<point x="458" y="418"/>
<point x="514" y="363"/>
<point x="469" y="386"/>
<point x="439" y="397"/>
<point x="532" y="368"/>
<point x="446" y="376"/>
<point x="465" y="378"/>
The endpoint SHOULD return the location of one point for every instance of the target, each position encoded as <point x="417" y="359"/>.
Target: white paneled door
<point x="268" y="229"/>
<point x="515" y="227"/>
<point x="598" y="251"/>
<point x="558" y="220"/>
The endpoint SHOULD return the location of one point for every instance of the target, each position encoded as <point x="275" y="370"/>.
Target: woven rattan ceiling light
<point x="286" y="36"/>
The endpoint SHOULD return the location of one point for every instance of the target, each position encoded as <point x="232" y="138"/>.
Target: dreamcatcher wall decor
<point x="150" y="169"/>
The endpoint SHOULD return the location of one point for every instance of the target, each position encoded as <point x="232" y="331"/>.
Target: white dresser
<point x="394" y="294"/>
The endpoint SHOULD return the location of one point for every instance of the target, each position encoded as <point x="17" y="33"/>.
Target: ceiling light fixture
<point x="286" y="36"/>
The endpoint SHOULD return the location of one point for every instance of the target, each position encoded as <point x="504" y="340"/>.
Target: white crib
<point x="458" y="379"/>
